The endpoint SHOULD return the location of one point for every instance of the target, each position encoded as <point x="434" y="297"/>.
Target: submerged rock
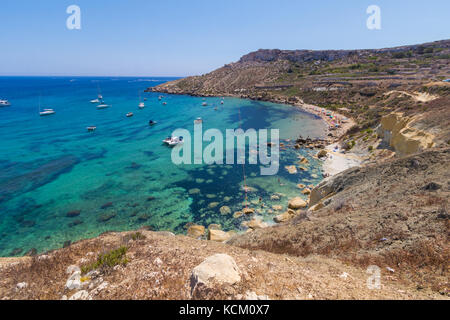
<point x="106" y="205"/>
<point x="194" y="191"/>
<point x="291" y="169"/>
<point x="248" y="210"/>
<point x="225" y="210"/>
<point x="73" y="213"/>
<point x="106" y="217"/>
<point x="237" y="214"/>
<point x="277" y="207"/>
<point x="212" y="205"/>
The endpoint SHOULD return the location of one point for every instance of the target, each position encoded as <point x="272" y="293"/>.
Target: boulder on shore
<point x="219" y="235"/>
<point x="286" y="216"/>
<point x="196" y="231"/>
<point x="297" y="203"/>
<point x="322" y="153"/>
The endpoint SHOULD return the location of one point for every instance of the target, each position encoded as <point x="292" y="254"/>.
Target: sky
<point x="191" y="37"/>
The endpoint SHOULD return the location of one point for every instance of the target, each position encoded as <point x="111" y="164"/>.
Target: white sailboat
<point x="99" y="96"/>
<point x="141" y="104"/>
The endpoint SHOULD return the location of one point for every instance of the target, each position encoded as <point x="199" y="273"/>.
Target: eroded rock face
<point x="219" y="268"/>
<point x="396" y="130"/>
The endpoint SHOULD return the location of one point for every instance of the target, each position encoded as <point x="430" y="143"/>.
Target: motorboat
<point x="164" y="103"/>
<point x="159" y="98"/>
<point x="46" y="112"/>
<point x="198" y="121"/>
<point x="103" y="106"/>
<point x="221" y="102"/>
<point x="204" y="104"/>
<point x="129" y="114"/>
<point x="173" y="141"/>
<point x="4" y="103"/>
<point x="152" y="123"/>
<point x="141" y="105"/>
<point x="91" y="128"/>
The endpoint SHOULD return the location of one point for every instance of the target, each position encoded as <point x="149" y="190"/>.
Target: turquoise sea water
<point x="121" y="177"/>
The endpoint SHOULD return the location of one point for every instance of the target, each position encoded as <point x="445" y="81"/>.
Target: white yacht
<point x="46" y="112"/>
<point x="173" y="141"/>
<point x="141" y="105"/>
<point x="4" y="103"/>
<point x="103" y="106"/>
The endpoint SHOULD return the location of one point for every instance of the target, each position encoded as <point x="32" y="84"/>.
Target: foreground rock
<point x="217" y="269"/>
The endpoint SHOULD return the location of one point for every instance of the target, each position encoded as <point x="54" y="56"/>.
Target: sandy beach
<point x="337" y="161"/>
<point x="331" y="118"/>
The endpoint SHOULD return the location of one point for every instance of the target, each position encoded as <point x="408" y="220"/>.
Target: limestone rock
<point x="248" y="210"/>
<point x="291" y="169"/>
<point x="196" y="231"/>
<point x="286" y="216"/>
<point x="219" y="268"/>
<point x="218" y="235"/>
<point x="297" y="203"/>
<point x="225" y="210"/>
<point x="306" y="191"/>
<point x="277" y="207"/>
<point x="80" y="295"/>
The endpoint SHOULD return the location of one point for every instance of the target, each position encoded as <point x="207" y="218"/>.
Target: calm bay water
<point x="121" y="177"/>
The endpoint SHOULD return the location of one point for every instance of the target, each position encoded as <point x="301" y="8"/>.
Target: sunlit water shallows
<point x="59" y="182"/>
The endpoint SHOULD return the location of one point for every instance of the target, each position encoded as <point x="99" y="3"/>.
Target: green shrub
<point x="370" y="148"/>
<point x="107" y="260"/>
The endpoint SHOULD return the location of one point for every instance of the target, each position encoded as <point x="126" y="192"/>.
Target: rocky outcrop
<point x="397" y="130"/>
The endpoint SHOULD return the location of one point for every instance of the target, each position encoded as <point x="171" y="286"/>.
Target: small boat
<point x="221" y="102"/>
<point x="129" y="114"/>
<point x="103" y="106"/>
<point x="204" y="104"/>
<point x="173" y="141"/>
<point x="159" y="98"/>
<point x="151" y="123"/>
<point x="198" y="121"/>
<point x="141" y="105"/>
<point x="91" y="128"/>
<point x="95" y="101"/>
<point x="164" y="103"/>
<point x="46" y="112"/>
<point x="4" y="103"/>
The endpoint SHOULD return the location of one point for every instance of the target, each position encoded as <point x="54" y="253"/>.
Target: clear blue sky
<point x="188" y="37"/>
